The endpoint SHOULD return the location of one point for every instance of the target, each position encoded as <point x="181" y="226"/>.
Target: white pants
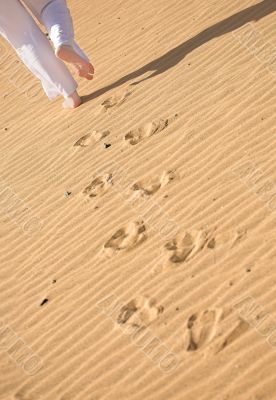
<point x="57" y="20"/>
<point x="20" y="30"/>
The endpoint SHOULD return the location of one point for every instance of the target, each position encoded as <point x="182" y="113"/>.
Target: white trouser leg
<point x="57" y="20"/>
<point x="34" y="49"/>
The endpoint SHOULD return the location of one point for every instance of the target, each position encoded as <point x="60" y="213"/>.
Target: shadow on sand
<point x="176" y="55"/>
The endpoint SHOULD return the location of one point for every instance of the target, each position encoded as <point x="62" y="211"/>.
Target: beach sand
<point x="137" y="243"/>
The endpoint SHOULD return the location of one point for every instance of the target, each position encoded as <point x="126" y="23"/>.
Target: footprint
<point x="149" y="186"/>
<point x="213" y="329"/>
<point x="202" y="328"/>
<point x="95" y="136"/>
<point x="126" y="238"/>
<point x="137" y="135"/>
<point x="227" y="240"/>
<point x="184" y="248"/>
<point x="115" y="100"/>
<point x="139" y="312"/>
<point x="99" y="186"/>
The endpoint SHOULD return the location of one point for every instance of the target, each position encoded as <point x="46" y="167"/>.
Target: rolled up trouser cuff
<point x="57" y="19"/>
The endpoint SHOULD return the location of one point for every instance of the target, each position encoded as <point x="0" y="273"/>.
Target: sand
<point x="137" y="232"/>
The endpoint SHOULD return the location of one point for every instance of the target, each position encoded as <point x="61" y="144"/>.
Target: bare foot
<point x="82" y="67"/>
<point x="72" y="101"/>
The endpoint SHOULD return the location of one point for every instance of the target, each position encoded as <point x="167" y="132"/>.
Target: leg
<point x="57" y="19"/>
<point x="21" y="31"/>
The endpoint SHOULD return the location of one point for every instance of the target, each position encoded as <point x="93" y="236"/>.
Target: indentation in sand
<point x="114" y="101"/>
<point x="185" y="247"/>
<point x="213" y="330"/>
<point x="126" y="238"/>
<point x="99" y="186"/>
<point x="149" y="186"/>
<point x="94" y="136"/>
<point x="139" y="312"/>
<point x="135" y="136"/>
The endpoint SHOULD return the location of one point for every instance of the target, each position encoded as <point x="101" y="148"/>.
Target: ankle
<point x="72" y="101"/>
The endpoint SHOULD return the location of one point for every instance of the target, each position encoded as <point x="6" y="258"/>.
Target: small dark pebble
<point x="45" y="301"/>
<point x="166" y="196"/>
<point x="5" y="129"/>
<point x="106" y="145"/>
<point x="67" y="194"/>
<point x="231" y="283"/>
<point x="177" y="309"/>
<point x="248" y="269"/>
<point x="54" y="281"/>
